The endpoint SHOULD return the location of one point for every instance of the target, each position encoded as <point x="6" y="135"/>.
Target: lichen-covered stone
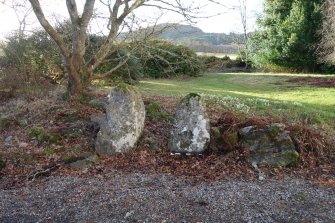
<point x="123" y="123"/>
<point x="270" y="145"/>
<point x="191" y="129"/>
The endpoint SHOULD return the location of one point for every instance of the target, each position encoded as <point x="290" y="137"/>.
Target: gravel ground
<point x="158" y="198"/>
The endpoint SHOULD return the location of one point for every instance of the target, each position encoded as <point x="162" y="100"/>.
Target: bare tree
<point x="21" y="11"/>
<point x="242" y="8"/>
<point x="326" y="48"/>
<point x="81" y="72"/>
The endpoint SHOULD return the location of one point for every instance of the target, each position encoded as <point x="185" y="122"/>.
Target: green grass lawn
<point x="257" y="93"/>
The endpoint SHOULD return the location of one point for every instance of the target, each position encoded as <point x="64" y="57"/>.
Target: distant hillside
<point x="195" y="38"/>
<point x="191" y="33"/>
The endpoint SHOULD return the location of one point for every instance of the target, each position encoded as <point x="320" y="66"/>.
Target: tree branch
<point x="48" y="28"/>
<point x="121" y="63"/>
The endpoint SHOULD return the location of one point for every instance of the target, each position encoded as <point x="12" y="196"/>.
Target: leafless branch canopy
<point x="326" y="49"/>
<point x="22" y="12"/>
<point x="120" y="16"/>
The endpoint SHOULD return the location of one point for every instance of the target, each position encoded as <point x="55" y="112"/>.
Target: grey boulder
<point x="123" y="123"/>
<point x="191" y="131"/>
<point x="270" y="145"/>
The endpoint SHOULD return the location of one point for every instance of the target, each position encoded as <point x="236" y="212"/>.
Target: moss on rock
<point x="123" y="87"/>
<point x="291" y="158"/>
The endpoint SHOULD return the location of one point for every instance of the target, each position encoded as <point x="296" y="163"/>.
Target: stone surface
<point x="84" y="163"/>
<point x="8" y="138"/>
<point x="23" y="145"/>
<point x="123" y="123"/>
<point x="97" y="103"/>
<point x="270" y="145"/>
<point x="191" y="129"/>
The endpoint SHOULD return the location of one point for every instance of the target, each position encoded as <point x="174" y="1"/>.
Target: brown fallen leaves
<point x="151" y="156"/>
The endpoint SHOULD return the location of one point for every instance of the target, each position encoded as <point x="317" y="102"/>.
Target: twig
<point x="43" y="172"/>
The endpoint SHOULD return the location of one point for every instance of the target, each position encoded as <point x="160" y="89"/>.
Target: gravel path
<point x="159" y="198"/>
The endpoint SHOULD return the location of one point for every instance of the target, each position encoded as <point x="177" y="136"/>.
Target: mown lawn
<point x="256" y="93"/>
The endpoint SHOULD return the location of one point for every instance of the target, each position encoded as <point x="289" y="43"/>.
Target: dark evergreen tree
<point x="288" y="35"/>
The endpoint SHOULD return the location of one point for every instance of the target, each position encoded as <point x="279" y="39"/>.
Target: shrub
<point x="32" y="56"/>
<point x="36" y="58"/>
<point x="29" y="65"/>
<point x="218" y="64"/>
<point x="164" y="59"/>
<point x="131" y="70"/>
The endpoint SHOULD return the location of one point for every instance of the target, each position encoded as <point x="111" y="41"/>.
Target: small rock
<point x="23" y="145"/>
<point x="82" y="162"/>
<point x="23" y="122"/>
<point x="8" y="138"/>
<point x="85" y="171"/>
<point x="129" y="214"/>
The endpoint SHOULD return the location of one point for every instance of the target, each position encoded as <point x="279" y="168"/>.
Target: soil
<point x="314" y="81"/>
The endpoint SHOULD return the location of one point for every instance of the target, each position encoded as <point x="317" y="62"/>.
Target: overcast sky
<point x="228" y="20"/>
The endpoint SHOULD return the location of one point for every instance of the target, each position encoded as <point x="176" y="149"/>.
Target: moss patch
<point x="193" y="95"/>
<point x="4" y="122"/>
<point x="274" y="131"/>
<point x="291" y="158"/>
<point x="185" y="145"/>
<point x="233" y="138"/>
<point x="54" y="138"/>
<point x="51" y="150"/>
<point x="2" y="162"/>
<point x="70" y="159"/>
<point x="39" y="133"/>
<point x="155" y="112"/>
<point x="123" y="87"/>
<point x="22" y="122"/>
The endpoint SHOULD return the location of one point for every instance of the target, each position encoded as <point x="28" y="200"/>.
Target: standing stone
<point x="123" y="123"/>
<point x="191" y="130"/>
<point x="270" y="145"/>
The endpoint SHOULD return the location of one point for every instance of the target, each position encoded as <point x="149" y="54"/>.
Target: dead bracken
<point x="29" y="158"/>
<point x="314" y="81"/>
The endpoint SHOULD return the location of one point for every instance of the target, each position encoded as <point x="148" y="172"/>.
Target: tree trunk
<point x="75" y="80"/>
<point x="75" y="86"/>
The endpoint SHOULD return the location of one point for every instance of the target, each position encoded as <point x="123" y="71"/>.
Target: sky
<point x="214" y="18"/>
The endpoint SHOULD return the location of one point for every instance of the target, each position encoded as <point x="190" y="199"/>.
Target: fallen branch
<point x="43" y="172"/>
